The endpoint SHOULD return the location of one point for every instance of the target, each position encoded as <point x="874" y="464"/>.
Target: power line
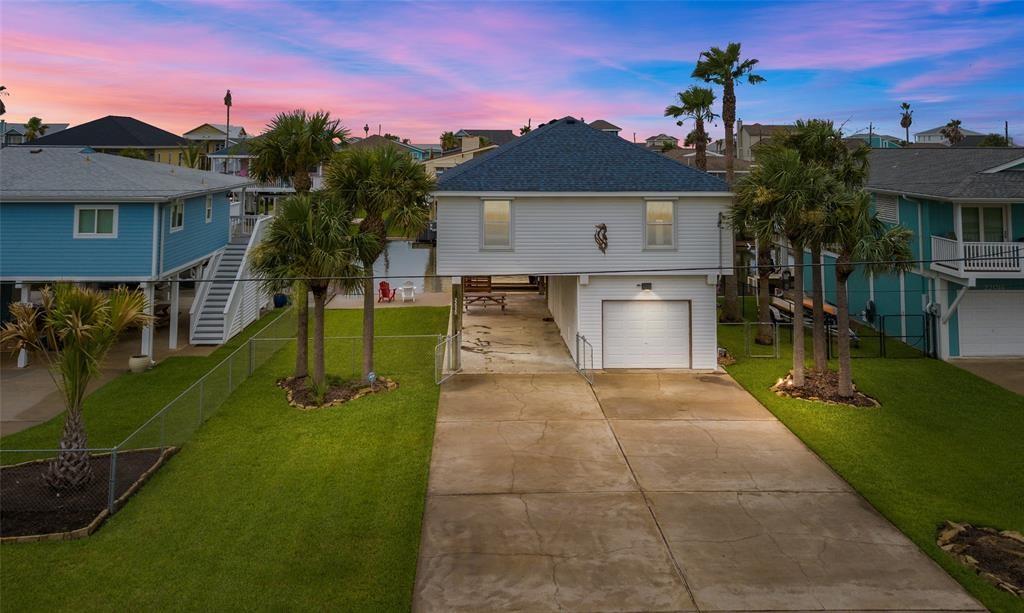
<point x="692" y="269"/>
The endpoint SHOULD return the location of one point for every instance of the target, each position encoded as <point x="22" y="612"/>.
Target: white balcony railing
<point x="975" y="258"/>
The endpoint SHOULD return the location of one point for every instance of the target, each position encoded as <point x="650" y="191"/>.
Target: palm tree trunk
<point x="301" y="330"/>
<point x="764" y="326"/>
<point x="843" y="335"/>
<point x="71" y="467"/>
<point x="319" y="369"/>
<point x="798" y="316"/>
<point x="729" y="119"/>
<point x="301" y="182"/>
<point x="731" y="307"/>
<point x="701" y="145"/>
<point x="818" y="309"/>
<point x="368" y="304"/>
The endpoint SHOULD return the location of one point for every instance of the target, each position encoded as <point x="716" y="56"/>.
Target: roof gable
<point x="113" y="131"/>
<point x="567" y="155"/>
<point x="498" y="137"/>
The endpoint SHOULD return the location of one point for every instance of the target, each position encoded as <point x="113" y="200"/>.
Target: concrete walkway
<point x="29" y="397"/>
<point x="1004" y="372"/>
<point x="651" y="492"/>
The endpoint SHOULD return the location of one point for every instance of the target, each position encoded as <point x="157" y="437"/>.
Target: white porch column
<point x="26" y="296"/>
<point x="172" y="341"/>
<point x="147" y="332"/>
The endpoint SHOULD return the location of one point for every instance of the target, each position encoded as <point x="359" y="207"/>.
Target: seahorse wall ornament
<point x="601" y="236"/>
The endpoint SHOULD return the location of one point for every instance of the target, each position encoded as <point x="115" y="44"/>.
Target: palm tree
<point x="34" y="128"/>
<point x="3" y="92"/>
<point x="449" y="141"/>
<point x="756" y="212"/>
<point x="820" y="144"/>
<point x="391" y="192"/>
<point x="295" y="143"/>
<point x="906" y="119"/>
<point x="857" y="235"/>
<point x="73" y="330"/>
<point x="192" y="155"/>
<point x="695" y="103"/>
<point x="312" y="237"/>
<point x="725" y="68"/>
<point x="952" y="132"/>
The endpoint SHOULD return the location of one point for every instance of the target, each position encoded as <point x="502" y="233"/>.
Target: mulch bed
<point x="997" y="556"/>
<point x="31" y="507"/>
<point x="822" y="387"/>
<point x="301" y="396"/>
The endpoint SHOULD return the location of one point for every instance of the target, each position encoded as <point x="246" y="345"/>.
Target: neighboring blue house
<point x="71" y="214"/>
<point x="877" y="141"/>
<point x="965" y="207"/>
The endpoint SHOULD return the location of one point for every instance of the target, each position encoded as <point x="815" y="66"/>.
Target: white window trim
<point x="511" y="226"/>
<point x="94" y="207"/>
<point x="643" y="225"/>
<point x="170" y="220"/>
<point x="208" y="211"/>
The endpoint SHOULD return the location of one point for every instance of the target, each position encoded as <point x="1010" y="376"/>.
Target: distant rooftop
<point x="19" y="128"/>
<point x="74" y="174"/>
<point x="498" y="137"/>
<point x="938" y="130"/>
<point x="607" y="126"/>
<point x="236" y="131"/>
<point x="567" y="155"/>
<point x="113" y="132"/>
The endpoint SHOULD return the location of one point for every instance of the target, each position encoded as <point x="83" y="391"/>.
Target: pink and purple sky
<point x="422" y="68"/>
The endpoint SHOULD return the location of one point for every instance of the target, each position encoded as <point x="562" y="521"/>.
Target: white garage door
<point x="646" y="334"/>
<point x="992" y="323"/>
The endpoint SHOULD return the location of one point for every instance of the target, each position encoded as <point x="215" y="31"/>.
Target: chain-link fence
<point x="115" y="470"/>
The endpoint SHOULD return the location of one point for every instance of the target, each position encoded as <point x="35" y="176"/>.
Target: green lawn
<point x="267" y="507"/>
<point x="945" y="444"/>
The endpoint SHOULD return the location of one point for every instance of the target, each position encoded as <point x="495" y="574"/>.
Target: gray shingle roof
<point x="569" y="156"/>
<point x="948" y="172"/>
<point x="601" y="124"/>
<point x="67" y="174"/>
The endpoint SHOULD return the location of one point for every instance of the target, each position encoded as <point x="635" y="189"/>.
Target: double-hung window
<point x="659" y="224"/>
<point x="209" y="208"/>
<point x="95" y="222"/>
<point x="497" y="224"/>
<point x="177" y="215"/>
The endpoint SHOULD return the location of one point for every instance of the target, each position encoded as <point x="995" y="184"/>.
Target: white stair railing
<point x="246" y="297"/>
<point x="202" y="290"/>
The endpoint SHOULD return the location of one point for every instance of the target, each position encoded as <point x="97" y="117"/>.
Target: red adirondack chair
<point x="385" y="293"/>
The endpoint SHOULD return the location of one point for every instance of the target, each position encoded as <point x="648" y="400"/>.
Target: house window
<point x="659" y="223"/>
<point x="982" y="224"/>
<point x="177" y="215"/>
<point x="95" y="222"/>
<point x="209" y="208"/>
<point x="887" y="208"/>
<point x="497" y="224"/>
<point x="439" y="171"/>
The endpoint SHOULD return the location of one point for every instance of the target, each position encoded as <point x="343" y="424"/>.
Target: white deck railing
<point x="246" y="296"/>
<point x="977" y="257"/>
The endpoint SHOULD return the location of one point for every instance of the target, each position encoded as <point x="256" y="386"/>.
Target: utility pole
<point x="871" y="134"/>
<point x="1006" y="132"/>
<point x="227" y="131"/>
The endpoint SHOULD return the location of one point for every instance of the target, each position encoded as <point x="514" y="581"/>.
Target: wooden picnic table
<point x="485" y="298"/>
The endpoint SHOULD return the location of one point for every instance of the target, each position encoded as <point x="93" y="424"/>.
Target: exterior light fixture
<point x="646" y="286"/>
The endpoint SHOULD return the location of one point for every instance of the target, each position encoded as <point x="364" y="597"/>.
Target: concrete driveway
<point x="1004" y="372"/>
<point x="649" y="492"/>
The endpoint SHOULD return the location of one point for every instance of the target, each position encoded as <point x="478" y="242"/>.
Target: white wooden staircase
<point x="227" y="299"/>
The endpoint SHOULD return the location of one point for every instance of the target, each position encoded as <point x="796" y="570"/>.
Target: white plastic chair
<point x="408" y="291"/>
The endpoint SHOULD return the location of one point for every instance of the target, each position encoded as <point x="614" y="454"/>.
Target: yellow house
<point x="470" y="148"/>
<point x="211" y="136"/>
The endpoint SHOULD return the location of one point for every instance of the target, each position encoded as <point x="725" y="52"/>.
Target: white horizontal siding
<point x="703" y="335"/>
<point x="554" y="235"/>
<point x="562" y="304"/>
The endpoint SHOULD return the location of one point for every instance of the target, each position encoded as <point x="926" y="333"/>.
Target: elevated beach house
<point x="630" y="242"/>
<point x="72" y="214"/>
<point x="965" y="293"/>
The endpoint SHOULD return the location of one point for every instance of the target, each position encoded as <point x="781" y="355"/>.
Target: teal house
<point x="965" y="207"/>
<point x="71" y="214"/>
